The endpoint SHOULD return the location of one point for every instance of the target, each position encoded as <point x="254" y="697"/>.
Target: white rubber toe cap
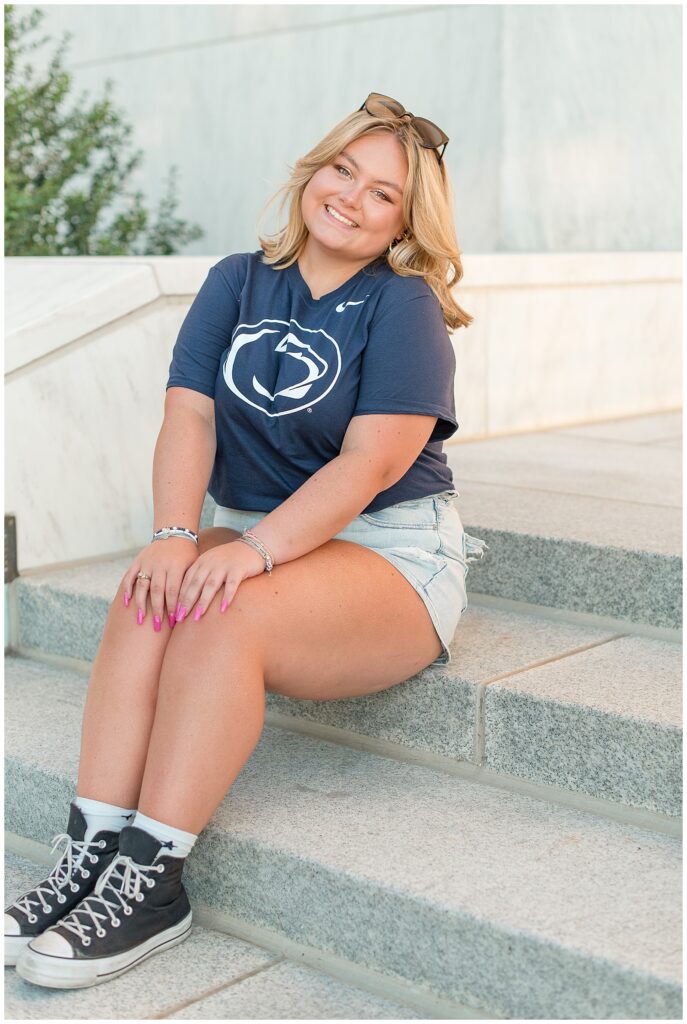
<point x="11" y="925"/>
<point x="52" y="944"/>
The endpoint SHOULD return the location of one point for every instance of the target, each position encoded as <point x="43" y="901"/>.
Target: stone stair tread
<point x="578" y="665"/>
<point x="647" y="429"/>
<point x="94" y="579"/>
<point x="644" y="528"/>
<point x="613" y="484"/>
<point x="607" y="720"/>
<point x="616" y="559"/>
<point x="612" y="677"/>
<point x="288" y="991"/>
<point x="494" y="647"/>
<point x="337" y="846"/>
<point x="182" y="982"/>
<point x="558" y="695"/>
<point x="565" y="463"/>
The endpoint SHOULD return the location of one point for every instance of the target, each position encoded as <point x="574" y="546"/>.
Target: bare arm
<point x="184" y="455"/>
<point x="376" y="452"/>
<point x="321" y="507"/>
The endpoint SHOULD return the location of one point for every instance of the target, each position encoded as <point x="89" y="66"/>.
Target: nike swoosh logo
<point x="342" y="305"/>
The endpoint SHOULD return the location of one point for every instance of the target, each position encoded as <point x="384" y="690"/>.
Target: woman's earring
<point x="405" y="237"/>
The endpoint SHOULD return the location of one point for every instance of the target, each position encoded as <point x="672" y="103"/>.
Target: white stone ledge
<point x="78" y="295"/>
<point x="52" y="302"/>
<point x="569" y="269"/>
<point x="557" y="340"/>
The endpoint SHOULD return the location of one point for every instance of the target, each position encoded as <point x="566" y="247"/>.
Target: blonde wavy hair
<point x="429" y="247"/>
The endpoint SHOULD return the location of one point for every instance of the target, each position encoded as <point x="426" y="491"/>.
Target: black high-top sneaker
<point x="139" y="907"/>
<point x="73" y="877"/>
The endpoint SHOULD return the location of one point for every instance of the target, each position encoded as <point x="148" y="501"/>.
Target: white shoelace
<point x="122" y="870"/>
<point x="59" y="877"/>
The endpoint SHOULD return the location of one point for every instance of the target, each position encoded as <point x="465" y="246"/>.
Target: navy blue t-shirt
<point x="288" y="372"/>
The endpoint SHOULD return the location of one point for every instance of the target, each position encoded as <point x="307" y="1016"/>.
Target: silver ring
<point x="143" y="576"/>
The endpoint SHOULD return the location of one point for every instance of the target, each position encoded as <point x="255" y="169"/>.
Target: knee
<point x="223" y="644"/>
<point x="236" y="626"/>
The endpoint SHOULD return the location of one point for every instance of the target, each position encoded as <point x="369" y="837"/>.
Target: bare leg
<point x="120" y="706"/>
<point x="121" y="700"/>
<point x="209" y="717"/>
<point x="338" y="622"/>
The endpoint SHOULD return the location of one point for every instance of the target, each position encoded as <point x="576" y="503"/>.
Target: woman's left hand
<point x="224" y="566"/>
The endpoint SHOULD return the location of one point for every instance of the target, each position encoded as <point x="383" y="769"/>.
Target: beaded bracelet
<point x="249" y="538"/>
<point x="175" y="531"/>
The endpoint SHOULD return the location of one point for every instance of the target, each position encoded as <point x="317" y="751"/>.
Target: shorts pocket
<point x="474" y="548"/>
<point x="417" y="514"/>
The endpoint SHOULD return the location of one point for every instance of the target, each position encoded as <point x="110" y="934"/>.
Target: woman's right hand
<point x="166" y="562"/>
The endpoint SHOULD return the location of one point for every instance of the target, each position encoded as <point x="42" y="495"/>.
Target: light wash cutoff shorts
<point x="423" y="538"/>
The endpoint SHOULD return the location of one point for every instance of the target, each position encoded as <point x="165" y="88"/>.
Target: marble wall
<point x="565" y="120"/>
<point x="557" y="340"/>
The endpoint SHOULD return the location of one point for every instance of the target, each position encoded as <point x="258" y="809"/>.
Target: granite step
<point x="476" y="896"/>
<point x="586" y="518"/>
<point x="211" y="975"/>
<point x="591" y="711"/>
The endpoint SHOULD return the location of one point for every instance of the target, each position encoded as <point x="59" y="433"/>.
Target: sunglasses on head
<point x="378" y="105"/>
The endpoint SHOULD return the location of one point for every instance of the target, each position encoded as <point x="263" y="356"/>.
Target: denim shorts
<point x="423" y="538"/>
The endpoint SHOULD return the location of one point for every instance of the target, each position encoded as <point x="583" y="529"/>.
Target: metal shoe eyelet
<point x="160" y="868"/>
<point x="32" y="918"/>
<point x="85" y="874"/>
<point x="61" y="898"/>
<point x="139" y="897"/>
<point x="128" y="911"/>
<point x="100" y="933"/>
<point x="47" y="909"/>
<point x="116" y="922"/>
<point x="86" y="941"/>
<point x="73" y="886"/>
<point x="93" y="858"/>
<point x="102" y="844"/>
<point x="150" y="882"/>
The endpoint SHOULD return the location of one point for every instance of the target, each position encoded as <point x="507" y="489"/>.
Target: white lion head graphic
<point x="279" y="367"/>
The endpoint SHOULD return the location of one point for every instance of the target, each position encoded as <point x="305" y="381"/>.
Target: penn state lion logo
<point x="279" y="367"/>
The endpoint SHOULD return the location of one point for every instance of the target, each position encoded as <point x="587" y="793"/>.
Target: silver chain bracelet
<point x="175" y="531"/>
<point x="249" y="538"/>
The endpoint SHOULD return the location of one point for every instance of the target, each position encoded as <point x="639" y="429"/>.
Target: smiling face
<point x="353" y="206"/>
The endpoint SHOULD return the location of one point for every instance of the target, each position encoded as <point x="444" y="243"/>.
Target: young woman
<point x="310" y="391"/>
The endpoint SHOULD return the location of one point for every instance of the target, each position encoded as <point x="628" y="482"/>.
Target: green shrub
<point x="66" y="171"/>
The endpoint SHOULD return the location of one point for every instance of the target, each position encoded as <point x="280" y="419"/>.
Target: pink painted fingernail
<point x="126" y="599"/>
<point x="181" y="614"/>
<point x="139" y="616"/>
<point x="224" y="606"/>
<point x="199" y="612"/>
<point x="157" y="623"/>
<point x="171" y="620"/>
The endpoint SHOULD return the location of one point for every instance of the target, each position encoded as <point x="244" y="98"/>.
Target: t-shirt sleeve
<point x="205" y="333"/>
<point x="409" y="366"/>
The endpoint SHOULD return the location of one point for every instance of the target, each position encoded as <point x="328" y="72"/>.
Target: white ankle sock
<point x="177" y="842"/>
<point x="101" y="816"/>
